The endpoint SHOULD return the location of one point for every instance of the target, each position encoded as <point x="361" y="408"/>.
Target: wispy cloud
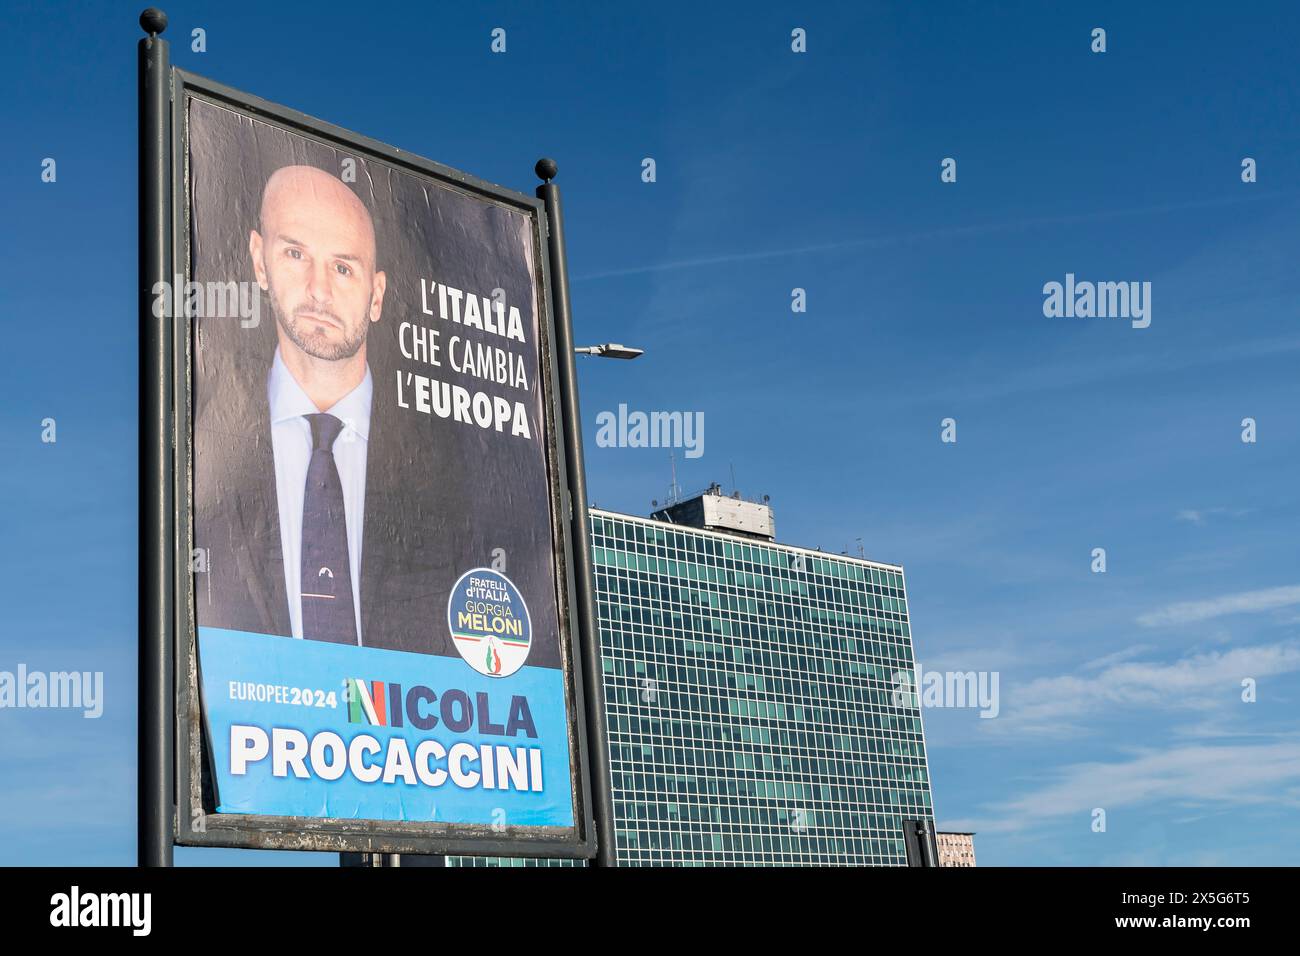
<point x="1245" y="602"/>
<point x="1066" y="373"/>
<point x="1196" y="776"/>
<point x="1055" y="705"/>
<point x="1121" y="655"/>
<point x="872" y="242"/>
<point x="1199" y="516"/>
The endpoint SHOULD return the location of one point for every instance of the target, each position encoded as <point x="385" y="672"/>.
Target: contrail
<point x="957" y="232"/>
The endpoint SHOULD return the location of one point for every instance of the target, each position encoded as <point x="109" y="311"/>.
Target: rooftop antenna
<point x="861" y="552"/>
<point x="733" y="476"/>
<point x="674" y="490"/>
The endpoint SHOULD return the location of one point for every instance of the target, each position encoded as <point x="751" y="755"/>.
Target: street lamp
<point x="611" y="350"/>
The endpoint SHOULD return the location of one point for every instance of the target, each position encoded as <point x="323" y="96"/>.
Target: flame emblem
<point x="493" y="661"/>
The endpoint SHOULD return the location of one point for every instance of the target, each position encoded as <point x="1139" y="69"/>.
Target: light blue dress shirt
<point x="291" y="443"/>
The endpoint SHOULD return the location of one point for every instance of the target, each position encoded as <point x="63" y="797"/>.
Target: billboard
<point x="375" y="604"/>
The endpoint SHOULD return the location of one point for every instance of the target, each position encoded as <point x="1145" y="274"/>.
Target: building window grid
<point x="624" y="561"/>
<point x="709" y="594"/>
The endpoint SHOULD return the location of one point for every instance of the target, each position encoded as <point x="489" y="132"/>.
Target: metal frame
<point x="194" y="824"/>
<point x="598" y="754"/>
<point x="154" y="734"/>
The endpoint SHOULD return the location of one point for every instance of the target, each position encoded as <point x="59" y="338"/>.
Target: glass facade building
<point x="751" y="696"/>
<point x="751" y="690"/>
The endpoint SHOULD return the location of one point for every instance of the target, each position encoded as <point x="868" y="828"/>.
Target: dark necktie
<point x="327" y="613"/>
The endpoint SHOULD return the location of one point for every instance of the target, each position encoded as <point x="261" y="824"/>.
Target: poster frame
<point x="195" y="823"/>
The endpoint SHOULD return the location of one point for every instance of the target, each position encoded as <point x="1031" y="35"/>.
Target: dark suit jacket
<point x="431" y="514"/>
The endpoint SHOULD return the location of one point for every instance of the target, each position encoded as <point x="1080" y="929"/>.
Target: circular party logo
<point x="489" y="622"/>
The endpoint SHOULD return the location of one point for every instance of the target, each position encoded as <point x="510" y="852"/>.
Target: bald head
<point x="315" y="255"/>
<point x="305" y="192"/>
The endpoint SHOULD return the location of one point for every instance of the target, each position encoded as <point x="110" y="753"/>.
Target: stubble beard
<point x="318" y="344"/>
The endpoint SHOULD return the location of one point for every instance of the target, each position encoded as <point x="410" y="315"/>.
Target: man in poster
<point x="317" y="262"/>
<point x="327" y="509"/>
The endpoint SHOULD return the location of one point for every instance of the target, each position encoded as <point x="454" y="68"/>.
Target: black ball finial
<point x="546" y="169"/>
<point x="153" y="21"/>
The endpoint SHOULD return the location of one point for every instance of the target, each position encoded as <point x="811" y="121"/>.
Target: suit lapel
<point x="255" y="513"/>
<point x="268" y="556"/>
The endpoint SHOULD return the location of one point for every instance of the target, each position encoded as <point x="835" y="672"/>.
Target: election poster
<point x="380" y="601"/>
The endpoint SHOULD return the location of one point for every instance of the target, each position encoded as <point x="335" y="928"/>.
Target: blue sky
<point x="775" y="171"/>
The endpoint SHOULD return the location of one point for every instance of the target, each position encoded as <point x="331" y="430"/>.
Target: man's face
<point x="315" y="255"/>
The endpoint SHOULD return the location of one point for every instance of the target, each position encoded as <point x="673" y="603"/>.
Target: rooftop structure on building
<point x="713" y="510"/>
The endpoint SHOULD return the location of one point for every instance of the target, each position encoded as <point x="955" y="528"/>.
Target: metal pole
<point x="154" y="723"/>
<point x="928" y="848"/>
<point x="588" y="634"/>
